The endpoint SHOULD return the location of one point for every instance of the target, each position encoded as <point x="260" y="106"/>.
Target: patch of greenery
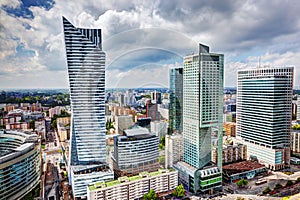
<point x="278" y="186"/>
<point x="33" y="193"/>
<point x="151" y="195"/>
<point x="162" y="143"/>
<point x="296" y="127"/>
<point x="289" y="183"/>
<point x="161" y="159"/>
<point x="179" y="191"/>
<point x="242" y="183"/>
<point x="267" y="190"/>
<point x="109" y="125"/>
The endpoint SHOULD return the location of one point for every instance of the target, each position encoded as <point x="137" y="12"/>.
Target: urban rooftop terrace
<point x="128" y="179"/>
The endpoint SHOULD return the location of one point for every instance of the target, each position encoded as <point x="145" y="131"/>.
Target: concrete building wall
<point x="173" y="149"/>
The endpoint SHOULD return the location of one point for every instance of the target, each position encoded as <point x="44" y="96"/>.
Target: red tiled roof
<point x="243" y="166"/>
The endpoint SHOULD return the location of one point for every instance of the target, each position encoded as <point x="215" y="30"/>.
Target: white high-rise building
<point x="159" y="128"/>
<point x="264" y="114"/>
<point x="86" y="69"/>
<point x="202" y="120"/>
<point x="295" y="141"/>
<point x="173" y="149"/>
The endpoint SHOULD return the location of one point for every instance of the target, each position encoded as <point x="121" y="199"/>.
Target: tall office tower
<point x="176" y="99"/>
<point x="86" y="69"/>
<point x="202" y="121"/>
<point x="264" y="114"/>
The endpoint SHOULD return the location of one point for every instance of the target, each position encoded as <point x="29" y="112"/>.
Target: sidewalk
<point x="246" y="197"/>
<point x="295" y="197"/>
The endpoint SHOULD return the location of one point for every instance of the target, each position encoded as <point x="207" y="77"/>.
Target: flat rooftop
<point x="128" y="179"/>
<point x="243" y="166"/>
<point x="136" y="131"/>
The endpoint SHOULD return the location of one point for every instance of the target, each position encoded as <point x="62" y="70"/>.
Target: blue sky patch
<point x="23" y="9"/>
<point x="21" y="51"/>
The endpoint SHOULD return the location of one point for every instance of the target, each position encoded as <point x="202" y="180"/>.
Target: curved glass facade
<point x="20" y="164"/>
<point x="86" y="69"/>
<point x="136" y="153"/>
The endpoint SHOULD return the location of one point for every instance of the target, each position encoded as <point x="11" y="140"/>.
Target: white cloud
<point x="229" y="27"/>
<point x="148" y="75"/>
<point x="266" y="60"/>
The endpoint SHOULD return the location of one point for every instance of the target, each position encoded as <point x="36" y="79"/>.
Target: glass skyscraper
<point x="86" y="69"/>
<point x="202" y="119"/>
<point x="176" y="99"/>
<point x="264" y="113"/>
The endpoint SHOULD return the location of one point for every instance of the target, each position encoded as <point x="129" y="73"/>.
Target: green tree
<point x="267" y="190"/>
<point x="162" y="143"/>
<point x="289" y="183"/>
<point x="32" y="124"/>
<point x="54" y="124"/>
<point x="109" y="125"/>
<point x="161" y="159"/>
<point x="151" y="195"/>
<point x="298" y="180"/>
<point x="296" y="127"/>
<point x="163" y="140"/>
<point x="278" y="186"/>
<point x="179" y="191"/>
<point x="242" y="183"/>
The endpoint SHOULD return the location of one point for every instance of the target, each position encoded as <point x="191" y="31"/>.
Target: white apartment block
<point x="134" y="187"/>
<point x="295" y="141"/>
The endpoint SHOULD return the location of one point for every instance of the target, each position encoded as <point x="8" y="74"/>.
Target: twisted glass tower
<point x="86" y="69"/>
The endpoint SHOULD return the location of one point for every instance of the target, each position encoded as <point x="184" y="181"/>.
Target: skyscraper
<point x="86" y="69"/>
<point x="202" y="120"/>
<point x="264" y="114"/>
<point x="176" y="99"/>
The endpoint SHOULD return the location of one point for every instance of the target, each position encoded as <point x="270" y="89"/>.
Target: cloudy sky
<point x="143" y="39"/>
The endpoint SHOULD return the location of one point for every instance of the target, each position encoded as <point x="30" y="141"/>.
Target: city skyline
<point x="141" y="40"/>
